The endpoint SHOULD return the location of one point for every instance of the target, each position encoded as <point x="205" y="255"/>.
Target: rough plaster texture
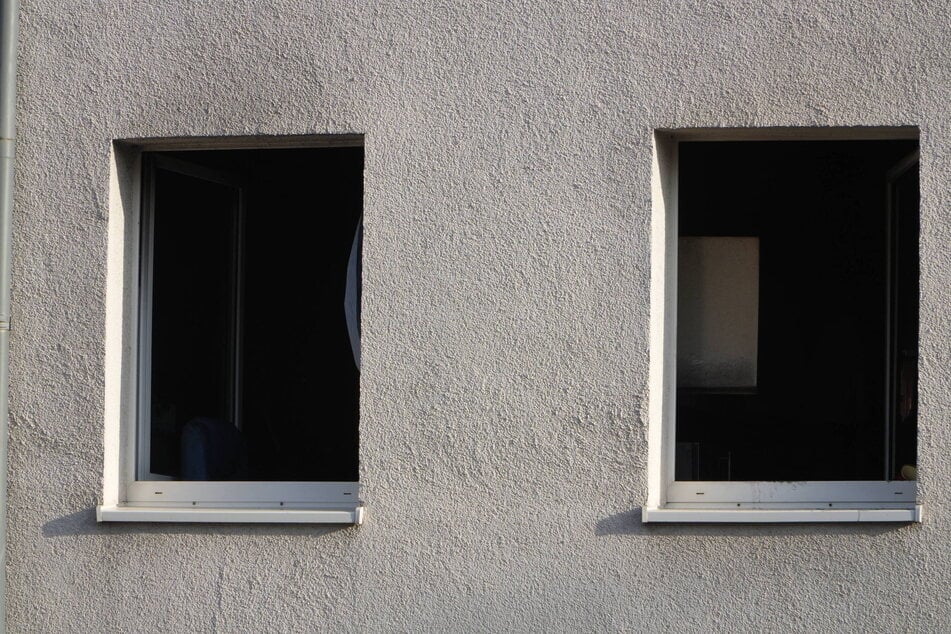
<point x="504" y="414"/>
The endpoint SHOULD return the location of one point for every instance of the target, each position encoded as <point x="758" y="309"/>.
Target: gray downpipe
<point x="9" y="27"/>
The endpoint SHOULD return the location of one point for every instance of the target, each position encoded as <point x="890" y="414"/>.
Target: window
<point x="788" y="378"/>
<point x="248" y="336"/>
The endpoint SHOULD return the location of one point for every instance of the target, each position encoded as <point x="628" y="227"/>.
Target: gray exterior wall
<point x="504" y="412"/>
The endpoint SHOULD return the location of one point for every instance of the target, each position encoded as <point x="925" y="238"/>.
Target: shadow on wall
<point x="83" y="522"/>
<point x="629" y="523"/>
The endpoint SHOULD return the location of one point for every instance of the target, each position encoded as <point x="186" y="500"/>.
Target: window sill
<point x="776" y="516"/>
<point x="336" y="515"/>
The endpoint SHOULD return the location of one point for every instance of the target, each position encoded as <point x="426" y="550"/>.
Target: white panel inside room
<point x="718" y="300"/>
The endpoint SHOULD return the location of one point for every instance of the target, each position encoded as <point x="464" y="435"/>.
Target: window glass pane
<point x="252" y="369"/>
<point x="905" y="352"/>
<point x="819" y="214"/>
<point x="192" y="309"/>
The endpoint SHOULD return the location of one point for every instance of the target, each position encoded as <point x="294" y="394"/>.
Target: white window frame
<point x="129" y="496"/>
<point x="672" y="501"/>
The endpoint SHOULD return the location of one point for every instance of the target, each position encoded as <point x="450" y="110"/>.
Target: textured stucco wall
<point x="503" y="433"/>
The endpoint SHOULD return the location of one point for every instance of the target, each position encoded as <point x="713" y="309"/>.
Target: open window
<point x="788" y="377"/>
<point x="247" y="336"/>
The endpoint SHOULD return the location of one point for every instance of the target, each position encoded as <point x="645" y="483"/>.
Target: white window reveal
<point x="785" y="343"/>
<point x="247" y="331"/>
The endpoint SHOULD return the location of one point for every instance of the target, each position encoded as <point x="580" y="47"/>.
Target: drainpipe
<point x="9" y="10"/>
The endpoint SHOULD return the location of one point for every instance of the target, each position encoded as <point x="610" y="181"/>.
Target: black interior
<point x="819" y="410"/>
<point x="298" y="395"/>
<point x="193" y="314"/>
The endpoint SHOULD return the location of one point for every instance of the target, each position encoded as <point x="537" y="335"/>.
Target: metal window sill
<point x="777" y="516"/>
<point x="121" y="513"/>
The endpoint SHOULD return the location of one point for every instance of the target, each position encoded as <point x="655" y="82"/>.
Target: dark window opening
<point x="251" y="368"/>
<point x="798" y="272"/>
